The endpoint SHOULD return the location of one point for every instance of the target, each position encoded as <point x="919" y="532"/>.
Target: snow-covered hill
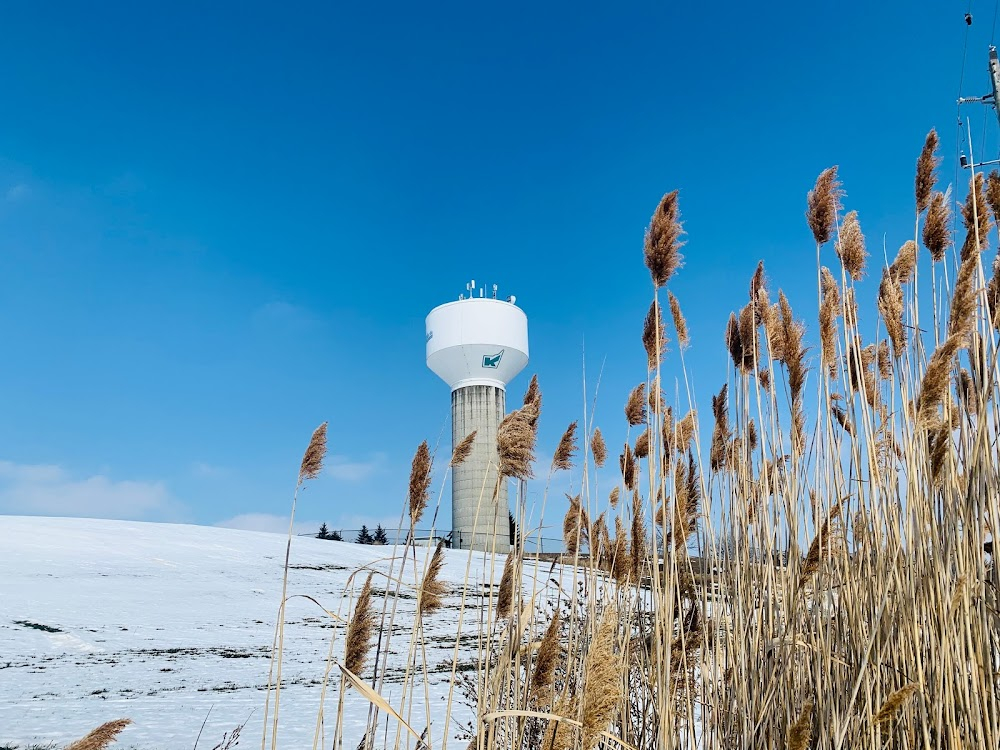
<point x="167" y="624"/>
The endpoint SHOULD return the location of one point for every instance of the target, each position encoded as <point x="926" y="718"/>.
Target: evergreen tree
<point x="335" y="536"/>
<point x="380" y="536"/>
<point x="513" y="529"/>
<point x="364" y="536"/>
<point x="324" y="533"/>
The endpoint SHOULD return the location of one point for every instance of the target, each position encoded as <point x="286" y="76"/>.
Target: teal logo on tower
<point x="492" y="361"/>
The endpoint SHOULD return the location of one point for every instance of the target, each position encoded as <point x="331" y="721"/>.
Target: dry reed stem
<point x="851" y="247"/>
<point x="360" y="630"/>
<point x="463" y="449"/>
<point x="100" y="738"/>
<point x="562" y="459"/>
<point x="432" y="589"/>
<point x="927" y="162"/>
<point x="822" y="205"/>
<point x="894" y="703"/>
<point x="635" y="407"/>
<point x="312" y="459"/>
<point x="935" y="234"/>
<point x="680" y="324"/>
<point x="821" y="543"/>
<point x="654" y="336"/>
<point x="663" y="243"/>
<point x="598" y="448"/>
<point x="420" y="482"/>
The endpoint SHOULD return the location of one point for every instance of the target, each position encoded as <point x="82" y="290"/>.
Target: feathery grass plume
<point x="758" y="287"/>
<point x="822" y="542"/>
<point x="851" y="247"/>
<point x="721" y="432"/>
<point x="602" y="687"/>
<point x="432" y="588"/>
<point x="850" y="310"/>
<point x="546" y="659"/>
<point x="533" y="398"/>
<point x="359" y="630"/>
<point x="621" y="561"/>
<point x="420" y="482"/>
<point x="938" y="446"/>
<point x="975" y="218"/>
<point x="993" y="195"/>
<point x="600" y="540"/>
<point x="635" y="407"/>
<point x="841" y="416"/>
<point x="463" y="449"/>
<point x="895" y="702"/>
<point x="312" y="459"/>
<point x="613" y="497"/>
<point x="967" y="391"/>
<point x="890" y="305"/>
<point x="749" y="340"/>
<point x="772" y="331"/>
<point x="751" y="435"/>
<point x="794" y="359"/>
<point x="656" y="407"/>
<point x="576" y="526"/>
<point x="638" y="537"/>
<point x="688" y="501"/>
<point x="685" y="430"/>
<point x="906" y="261"/>
<point x="993" y="294"/>
<point x="505" y="597"/>
<point x="926" y="164"/>
<point x="598" y="448"/>
<point x="884" y="360"/>
<point x="822" y="205"/>
<point x="629" y="467"/>
<point x="764" y="378"/>
<point x="733" y="340"/>
<point x="935" y="234"/>
<point x="663" y="241"/>
<point x="516" y="437"/>
<point x="934" y="386"/>
<point x="680" y="324"/>
<point x="101" y="737"/>
<point x="641" y="449"/>
<point x="829" y="311"/>
<point x="800" y="732"/>
<point x="961" y="318"/>
<point x="654" y="335"/>
<point x="563" y="457"/>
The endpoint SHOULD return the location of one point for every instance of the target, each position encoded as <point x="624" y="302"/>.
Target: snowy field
<point x="169" y="624"/>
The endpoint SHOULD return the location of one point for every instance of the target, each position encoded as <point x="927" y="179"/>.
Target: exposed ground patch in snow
<point x="161" y="623"/>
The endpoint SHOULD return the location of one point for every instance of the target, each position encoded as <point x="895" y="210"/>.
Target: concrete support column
<point x="478" y="510"/>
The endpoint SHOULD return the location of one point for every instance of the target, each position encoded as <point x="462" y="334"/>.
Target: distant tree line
<point x="364" y="536"/>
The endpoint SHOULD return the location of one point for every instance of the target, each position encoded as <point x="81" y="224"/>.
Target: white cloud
<point x="207" y="470"/>
<point x="47" y="489"/>
<point x="347" y="470"/>
<point x="17" y="192"/>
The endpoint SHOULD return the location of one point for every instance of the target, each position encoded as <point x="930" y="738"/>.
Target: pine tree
<point x="324" y="533"/>
<point x="380" y="536"/>
<point x="335" y="536"/>
<point x="513" y="529"/>
<point x="364" y="537"/>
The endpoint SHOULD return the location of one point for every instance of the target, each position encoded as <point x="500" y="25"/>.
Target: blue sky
<point x="222" y="226"/>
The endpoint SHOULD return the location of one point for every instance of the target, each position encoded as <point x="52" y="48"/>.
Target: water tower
<point x="477" y="345"/>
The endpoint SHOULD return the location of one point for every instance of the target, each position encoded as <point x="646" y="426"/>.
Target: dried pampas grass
<point x="101" y="737"/>
<point x="935" y="234"/>
<point x="563" y="457"/>
<point x="822" y="205"/>
<point x="851" y="247"/>
<point x="598" y="448"/>
<point x="312" y="459"/>
<point x="359" y="630"/>
<point x="635" y="406"/>
<point x="663" y="241"/>
<point x="680" y="324"/>
<point x="654" y="336"/>
<point x="926" y="164"/>
<point x="420" y="482"/>
<point x="463" y="449"/>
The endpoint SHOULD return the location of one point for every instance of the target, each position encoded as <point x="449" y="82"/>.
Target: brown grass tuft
<point x="563" y="457"/>
<point x="641" y="449"/>
<point x="546" y="659"/>
<point x="360" y="630"/>
<point x="823" y="203"/>
<point x="905" y="263"/>
<point x="638" y="537"/>
<point x="635" y="407"/>
<point x="614" y="497"/>
<point x="890" y="305"/>
<point x="663" y="241"/>
<point x="926" y="164"/>
<point x="851" y="247"/>
<point x="629" y="468"/>
<point x="576" y="526"/>
<point x="935" y="235"/>
<point x="621" y="561"/>
<point x="680" y="324"/>
<point x="505" y="596"/>
<point x="420" y="482"/>
<point x="432" y="588"/>
<point x="829" y="311"/>
<point x="800" y="732"/>
<point x="598" y="448"/>
<point x="516" y="438"/>
<point x="463" y="449"/>
<point x="101" y="737"/>
<point x="718" y="453"/>
<point x="602" y="687"/>
<point x="993" y="195"/>
<point x="934" y="386"/>
<point x="895" y="702"/>
<point x="975" y="219"/>
<point x="312" y="459"/>
<point x="993" y="294"/>
<point x="654" y="336"/>
<point x="821" y="545"/>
